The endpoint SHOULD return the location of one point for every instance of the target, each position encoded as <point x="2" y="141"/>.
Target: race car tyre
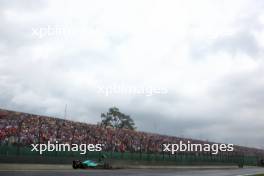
<point x="75" y="164"/>
<point x="262" y="162"/>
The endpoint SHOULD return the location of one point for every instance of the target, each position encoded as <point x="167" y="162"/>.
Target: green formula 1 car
<point x="101" y="164"/>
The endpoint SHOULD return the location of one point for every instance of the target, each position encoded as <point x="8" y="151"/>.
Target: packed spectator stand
<point x="23" y="129"/>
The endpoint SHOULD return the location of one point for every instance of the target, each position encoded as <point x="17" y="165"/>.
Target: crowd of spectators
<point x="23" y="129"/>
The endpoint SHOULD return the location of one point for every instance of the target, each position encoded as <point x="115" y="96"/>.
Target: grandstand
<point x="19" y="130"/>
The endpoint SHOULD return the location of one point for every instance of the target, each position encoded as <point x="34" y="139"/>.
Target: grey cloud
<point x="242" y="89"/>
<point x="240" y="43"/>
<point x="229" y="111"/>
<point x="23" y="5"/>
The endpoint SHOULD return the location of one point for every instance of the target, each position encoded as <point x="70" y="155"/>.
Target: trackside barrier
<point x="7" y="152"/>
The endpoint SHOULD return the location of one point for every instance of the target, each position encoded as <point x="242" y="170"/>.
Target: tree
<point x="115" y="119"/>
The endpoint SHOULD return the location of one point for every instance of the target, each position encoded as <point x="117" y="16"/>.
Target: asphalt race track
<point x="136" y="172"/>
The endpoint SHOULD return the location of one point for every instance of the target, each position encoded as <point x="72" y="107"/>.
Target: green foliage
<point x="115" y="119"/>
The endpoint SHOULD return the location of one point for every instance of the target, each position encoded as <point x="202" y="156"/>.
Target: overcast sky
<point x="205" y="56"/>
